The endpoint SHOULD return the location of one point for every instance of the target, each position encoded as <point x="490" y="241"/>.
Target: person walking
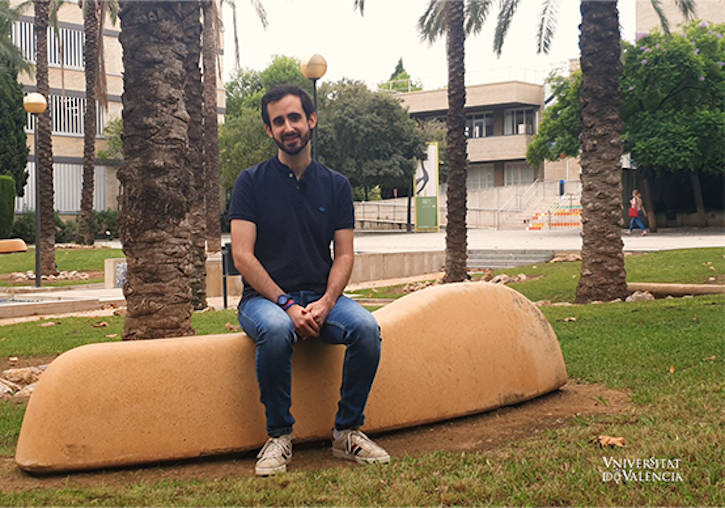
<point x="636" y="213"/>
<point x="284" y="214"/>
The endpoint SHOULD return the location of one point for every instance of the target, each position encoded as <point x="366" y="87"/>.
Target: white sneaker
<point x="354" y="445"/>
<point x="274" y="456"/>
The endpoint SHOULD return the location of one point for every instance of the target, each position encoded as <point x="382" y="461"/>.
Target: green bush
<point x="24" y="227"/>
<point x="105" y="220"/>
<point x="7" y="205"/>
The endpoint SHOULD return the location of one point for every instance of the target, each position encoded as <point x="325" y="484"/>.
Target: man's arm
<point x="244" y="236"/>
<point x="338" y="277"/>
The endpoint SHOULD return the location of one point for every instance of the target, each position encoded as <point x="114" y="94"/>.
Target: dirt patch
<point x="25" y="361"/>
<point x="476" y="433"/>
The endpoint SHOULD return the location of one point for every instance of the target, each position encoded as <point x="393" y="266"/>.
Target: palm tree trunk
<point x="699" y="201"/>
<point x="155" y="176"/>
<point x="602" y="273"/>
<point x="44" y="157"/>
<point x="456" y="240"/>
<point x="90" y="27"/>
<point x="211" y="134"/>
<point x="197" y="209"/>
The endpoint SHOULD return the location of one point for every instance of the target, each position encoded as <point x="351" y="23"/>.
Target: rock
<point x="487" y="275"/>
<point x="501" y="278"/>
<point x="23" y="376"/>
<point x="27" y="391"/>
<point x="616" y="300"/>
<point x="5" y="390"/>
<point x="543" y="303"/>
<point x="8" y="387"/>
<point x="640" y="296"/>
<point x="561" y="304"/>
<point x="521" y="277"/>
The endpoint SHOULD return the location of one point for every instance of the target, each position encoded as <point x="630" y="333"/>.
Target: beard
<point x="304" y="140"/>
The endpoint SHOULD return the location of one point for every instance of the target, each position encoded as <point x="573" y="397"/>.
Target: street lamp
<point x="35" y="104"/>
<point x="314" y="68"/>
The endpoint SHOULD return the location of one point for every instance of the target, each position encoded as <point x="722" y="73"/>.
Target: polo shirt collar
<point x="285" y="170"/>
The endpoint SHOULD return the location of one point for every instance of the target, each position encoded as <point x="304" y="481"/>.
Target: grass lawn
<point x="667" y="354"/>
<point x="82" y="260"/>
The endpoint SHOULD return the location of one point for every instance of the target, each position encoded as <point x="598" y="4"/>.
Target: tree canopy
<point x="672" y="90"/>
<point x="400" y="81"/>
<point x="367" y="136"/>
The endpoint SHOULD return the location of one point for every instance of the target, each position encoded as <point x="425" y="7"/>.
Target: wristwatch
<point x="285" y="301"/>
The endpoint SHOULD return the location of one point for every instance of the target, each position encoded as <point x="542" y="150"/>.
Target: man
<point x="284" y="214"/>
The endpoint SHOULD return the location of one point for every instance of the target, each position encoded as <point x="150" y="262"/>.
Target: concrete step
<point x="507" y="258"/>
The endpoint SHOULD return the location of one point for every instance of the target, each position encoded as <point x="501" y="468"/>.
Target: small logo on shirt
<point x="322" y="209"/>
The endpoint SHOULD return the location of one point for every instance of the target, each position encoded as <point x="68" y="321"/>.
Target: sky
<point x="368" y="47"/>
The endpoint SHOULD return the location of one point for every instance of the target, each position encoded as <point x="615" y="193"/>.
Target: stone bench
<point x="447" y="351"/>
<point x="12" y="245"/>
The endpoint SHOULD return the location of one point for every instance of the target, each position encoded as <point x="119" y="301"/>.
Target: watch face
<point x="282" y="300"/>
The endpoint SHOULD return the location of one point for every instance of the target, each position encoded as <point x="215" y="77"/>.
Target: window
<point x="67" y="186"/>
<point x="480" y="176"/>
<point x="518" y="173"/>
<point x="67" y="116"/>
<point x="479" y="125"/>
<point x="72" y="41"/>
<point x="519" y="121"/>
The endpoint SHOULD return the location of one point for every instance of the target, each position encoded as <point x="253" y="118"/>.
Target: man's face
<point x="290" y="128"/>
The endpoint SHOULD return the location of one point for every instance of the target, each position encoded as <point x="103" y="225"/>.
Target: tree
<point x="672" y="104"/>
<point x="602" y="274"/>
<point x="13" y="142"/>
<point x="193" y="91"/>
<point x="211" y="130"/>
<point x="243" y="141"/>
<point x="94" y="16"/>
<point x="44" y="156"/>
<point x="155" y="177"/>
<point x="400" y="81"/>
<point x="367" y="136"/>
<point x="560" y="125"/>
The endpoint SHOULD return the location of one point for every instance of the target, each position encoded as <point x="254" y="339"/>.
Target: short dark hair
<point x="281" y="91"/>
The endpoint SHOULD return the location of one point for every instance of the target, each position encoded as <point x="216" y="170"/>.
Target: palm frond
<point x="113" y="9"/>
<point x="687" y="8"/>
<point x="431" y="24"/>
<point x="547" y="25"/>
<point x="261" y="13"/>
<point x="505" y="16"/>
<point x="359" y="5"/>
<point x="664" y="23"/>
<point x="475" y="14"/>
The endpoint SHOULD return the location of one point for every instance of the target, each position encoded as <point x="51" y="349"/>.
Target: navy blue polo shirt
<point x="296" y="220"/>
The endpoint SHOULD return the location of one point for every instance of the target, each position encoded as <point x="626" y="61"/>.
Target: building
<point x="67" y="106"/>
<point x="501" y="119"/>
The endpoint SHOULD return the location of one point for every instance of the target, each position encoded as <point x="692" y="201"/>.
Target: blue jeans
<point x="271" y="329"/>
<point x="636" y="221"/>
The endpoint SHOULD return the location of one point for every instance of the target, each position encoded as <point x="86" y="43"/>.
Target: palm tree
<point x="455" y="18"/>
<point x="603" y="276"/>
<point x="210" y="39"/>
<point x="155" y="177"/>
<point x="44" y="156"/>
<point x="193" y="91"/>
<point x="94" y="15"/>
<point x="211" y="130"/>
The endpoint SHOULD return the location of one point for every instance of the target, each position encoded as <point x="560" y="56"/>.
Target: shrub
<point x="105" y="220"/>
<point x="24" y="227"/>
<point x="7" y="205"/>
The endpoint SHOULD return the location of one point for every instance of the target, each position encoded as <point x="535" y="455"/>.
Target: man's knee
<point x="277" y="330"/>
<point x="366" y="330"/>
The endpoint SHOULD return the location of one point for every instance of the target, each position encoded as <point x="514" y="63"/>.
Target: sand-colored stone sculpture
<point x="11" y="245"/>
<point x="447" y="351"/>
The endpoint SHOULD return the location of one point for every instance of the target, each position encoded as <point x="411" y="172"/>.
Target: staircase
<point x="497" y="259"/>
<point x="566" y="213"/>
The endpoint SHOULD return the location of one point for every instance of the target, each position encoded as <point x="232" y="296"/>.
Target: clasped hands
<point x="308" y="320"/>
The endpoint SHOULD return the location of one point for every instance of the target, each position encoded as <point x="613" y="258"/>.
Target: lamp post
<point x="314" y="68"/>
<point x="35" y="104"/>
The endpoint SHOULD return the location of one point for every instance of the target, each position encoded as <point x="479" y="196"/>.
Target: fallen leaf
<point x="713" y="357"/>
<point x="101" y="324"/>
<point x="111" y="335"/>
<point x="12" y="359"/>
<point x="49" y="323"/>
<point x="694" y="319"/>
<point x="672" y="369"/>
<point x="231" y="327"/>
<point x="567" y="319"/>
<point x="3" y="339"/>
<point x="610" y="441"/>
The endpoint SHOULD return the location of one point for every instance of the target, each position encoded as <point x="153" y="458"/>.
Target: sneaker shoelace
<point x="275" y="446"/>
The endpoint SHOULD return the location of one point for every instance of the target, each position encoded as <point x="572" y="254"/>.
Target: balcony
<point x="497" y="148"/>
